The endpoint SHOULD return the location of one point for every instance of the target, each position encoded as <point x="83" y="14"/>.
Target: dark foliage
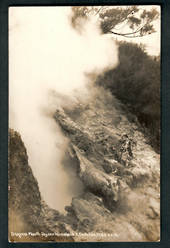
<point x="138" y="20"/>
<point x="136" y="82"/>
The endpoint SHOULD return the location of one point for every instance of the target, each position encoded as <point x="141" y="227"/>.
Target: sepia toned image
<point x="84" y="124"/>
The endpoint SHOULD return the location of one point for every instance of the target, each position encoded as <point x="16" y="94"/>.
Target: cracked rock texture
<point x="119" y="170"/>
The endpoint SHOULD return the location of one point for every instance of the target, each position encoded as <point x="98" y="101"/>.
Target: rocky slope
<point x="119" y="171"/>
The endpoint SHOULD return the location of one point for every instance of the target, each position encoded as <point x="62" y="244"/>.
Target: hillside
<point x="120" y="174"/>
<point x="136" y="83"/>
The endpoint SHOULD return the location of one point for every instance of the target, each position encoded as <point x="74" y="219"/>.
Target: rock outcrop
<point x="119" y="170"/>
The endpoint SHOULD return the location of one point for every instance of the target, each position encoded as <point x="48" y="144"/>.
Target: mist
<point x="46" y="55"/>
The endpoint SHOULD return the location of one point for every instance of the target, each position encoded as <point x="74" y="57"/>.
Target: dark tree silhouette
<point x="139" y="21"/>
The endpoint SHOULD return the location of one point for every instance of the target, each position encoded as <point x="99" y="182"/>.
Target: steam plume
<point x="46" y="54"/>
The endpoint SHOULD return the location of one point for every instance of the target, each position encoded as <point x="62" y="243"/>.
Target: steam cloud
<point x="46" y="54"/>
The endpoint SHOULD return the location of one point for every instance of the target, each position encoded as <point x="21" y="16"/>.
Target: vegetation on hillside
<point x="136" y="82"/>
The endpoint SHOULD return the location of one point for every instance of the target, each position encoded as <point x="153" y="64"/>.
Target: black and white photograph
<point x="84" y="123"/>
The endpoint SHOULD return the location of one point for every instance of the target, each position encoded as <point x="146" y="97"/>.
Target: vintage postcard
<point x="84" y="124"/>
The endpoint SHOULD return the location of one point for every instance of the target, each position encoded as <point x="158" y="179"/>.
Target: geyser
<point x="47" y="55"/>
